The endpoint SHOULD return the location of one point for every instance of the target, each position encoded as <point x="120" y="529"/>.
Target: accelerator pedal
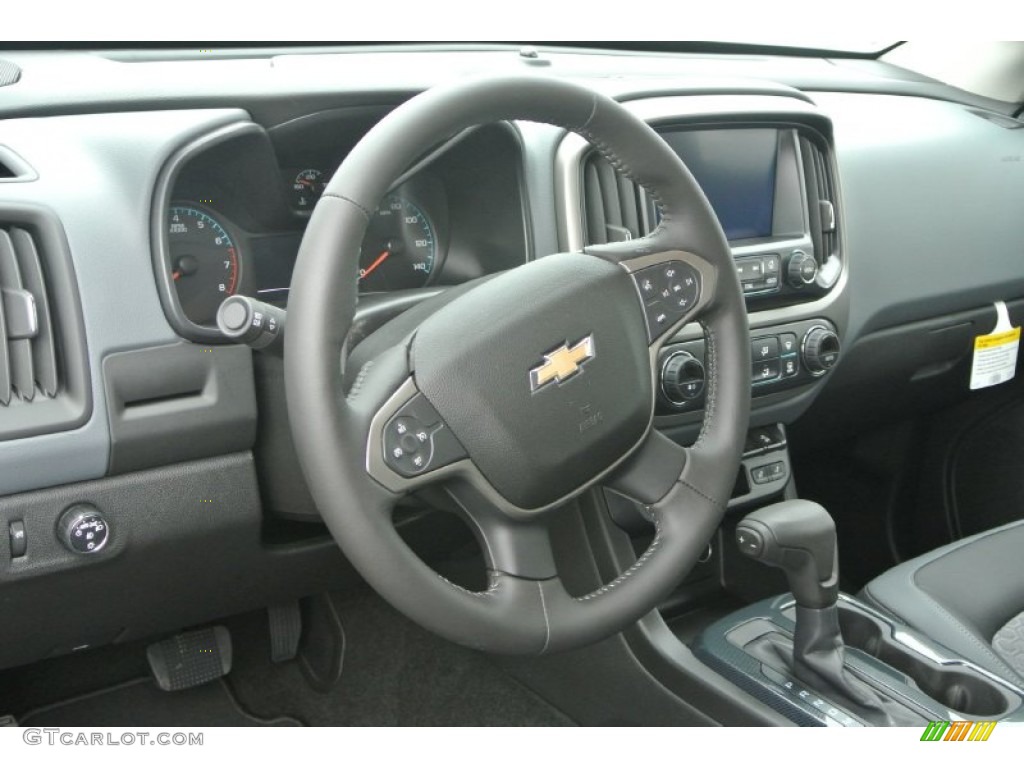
<point x="191" y="658"/>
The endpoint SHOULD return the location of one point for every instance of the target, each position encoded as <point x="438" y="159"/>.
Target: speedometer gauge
<point x="400" y="247"/>
<point x="205" y="262"/>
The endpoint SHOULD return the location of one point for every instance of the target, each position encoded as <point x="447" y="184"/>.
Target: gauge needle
<point x="376" y="263"/>
<point x="176" y="274"/>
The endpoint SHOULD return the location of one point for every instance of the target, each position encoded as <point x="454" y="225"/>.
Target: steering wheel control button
<point x="416" y="440"/>
<point x="766" y="348"/>
<point x="820" y="350"/>
<point x="83" y="530"/>
<point x="682" y="378"/>
<point x="749" y="541"/>
<point x="18" y="538"/>
<point x="669" y="291"/>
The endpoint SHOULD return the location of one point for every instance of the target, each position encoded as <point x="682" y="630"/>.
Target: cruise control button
<point x="766" y="348"/>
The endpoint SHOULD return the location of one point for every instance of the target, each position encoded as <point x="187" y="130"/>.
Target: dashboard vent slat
<point x="28" y="352"/>
<point x="44" y="349"/>
<point x="19" y="349"/>
<point x="821" y="188"/>
<point x="614" y="207"/>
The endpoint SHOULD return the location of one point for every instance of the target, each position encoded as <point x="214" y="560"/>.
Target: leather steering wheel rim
<point x="526" y="609"/>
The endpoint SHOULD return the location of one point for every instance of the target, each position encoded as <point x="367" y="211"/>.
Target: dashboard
<point x="874" y="218"/>
<point x="237" y="203"/>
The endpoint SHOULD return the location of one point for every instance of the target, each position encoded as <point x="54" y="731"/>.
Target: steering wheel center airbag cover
<point x="542" y="374"/>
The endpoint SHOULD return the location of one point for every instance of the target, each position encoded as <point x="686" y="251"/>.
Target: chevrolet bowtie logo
<point x="562" y="363"/>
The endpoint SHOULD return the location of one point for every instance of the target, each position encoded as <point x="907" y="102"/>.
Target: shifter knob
<point x="799" y="537"/>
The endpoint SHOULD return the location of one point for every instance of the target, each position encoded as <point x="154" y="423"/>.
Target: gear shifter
<point x="800" y="538"/>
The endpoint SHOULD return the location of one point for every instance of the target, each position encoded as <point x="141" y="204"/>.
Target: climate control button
<point x="820" y="350"/>
<point x="682" y="378"/>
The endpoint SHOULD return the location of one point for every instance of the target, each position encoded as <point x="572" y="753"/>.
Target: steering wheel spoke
<point x="408" y="444"/>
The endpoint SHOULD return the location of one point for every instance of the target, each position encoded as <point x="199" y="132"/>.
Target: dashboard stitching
<point x="633" y="569"/>
<point x="368" y="214"/>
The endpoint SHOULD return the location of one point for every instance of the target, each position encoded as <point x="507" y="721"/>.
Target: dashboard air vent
<point x="821" y="199"/>
<point x="28" y="354"/>
<point x="615" y="208"/>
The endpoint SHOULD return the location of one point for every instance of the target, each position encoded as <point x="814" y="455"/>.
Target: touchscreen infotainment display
<point x="736" y="169"/>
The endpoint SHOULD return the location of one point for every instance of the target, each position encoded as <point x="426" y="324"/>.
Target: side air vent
<point x="821" y="198"/>
<point x="28" y="360"/>
<point x="43" y="363"/>
<point x="615" y="208"/>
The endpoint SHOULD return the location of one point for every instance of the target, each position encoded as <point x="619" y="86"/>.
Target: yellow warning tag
<point x="995" y="354"/>
<point x="997" y="339"/>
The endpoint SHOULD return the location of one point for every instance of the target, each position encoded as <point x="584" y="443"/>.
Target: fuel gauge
<point x="307" y="188"/>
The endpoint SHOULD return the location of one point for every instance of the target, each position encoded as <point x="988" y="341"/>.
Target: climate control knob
<point x="83" y="530"/>
<point x="801" y="270"/>
<point x="820" y="350"/>
<point x="682" y="378"/>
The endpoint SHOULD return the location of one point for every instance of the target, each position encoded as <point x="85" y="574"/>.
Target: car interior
<point x="511" y="384"/>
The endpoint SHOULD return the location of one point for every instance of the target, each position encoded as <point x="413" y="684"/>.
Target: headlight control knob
<point x="820" y="350"/>
<point x="83" y="530"/>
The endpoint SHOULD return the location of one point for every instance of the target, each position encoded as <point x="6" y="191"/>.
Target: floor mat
<point x="140" y="703"/>
<point x="393" y="673"/>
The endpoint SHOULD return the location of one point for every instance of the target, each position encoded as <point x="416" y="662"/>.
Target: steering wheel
<point x="524" y="390"/>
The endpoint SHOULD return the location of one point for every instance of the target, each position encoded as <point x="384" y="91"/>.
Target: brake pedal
<point x="191" y="658"/>
<point x="285" y="631"/>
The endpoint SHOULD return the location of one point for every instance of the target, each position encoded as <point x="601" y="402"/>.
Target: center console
<point x="823" y="658"/>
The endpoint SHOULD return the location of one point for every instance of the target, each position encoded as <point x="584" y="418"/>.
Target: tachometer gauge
<point x="400" y="247"/>
<point x="307" y="188"/>
<point x="205" y="263"/>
